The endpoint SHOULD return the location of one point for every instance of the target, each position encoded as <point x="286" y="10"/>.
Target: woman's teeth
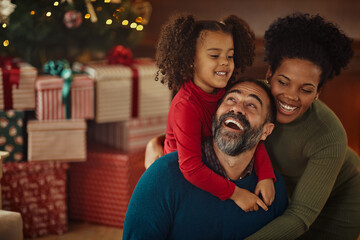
<point x="287" y="107"/>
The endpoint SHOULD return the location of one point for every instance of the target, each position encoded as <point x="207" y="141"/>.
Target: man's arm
<point x="150" y="212"/>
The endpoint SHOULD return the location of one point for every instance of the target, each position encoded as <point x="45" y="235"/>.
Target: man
<point x="165" y="206"/>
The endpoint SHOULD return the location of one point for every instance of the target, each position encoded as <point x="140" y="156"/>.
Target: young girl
<point x="197" y="59"/>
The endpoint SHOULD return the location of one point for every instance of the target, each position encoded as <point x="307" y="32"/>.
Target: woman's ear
<point x="268" y="74"/>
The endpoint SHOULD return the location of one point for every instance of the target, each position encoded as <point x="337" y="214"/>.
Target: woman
<point x="309" y="145"/>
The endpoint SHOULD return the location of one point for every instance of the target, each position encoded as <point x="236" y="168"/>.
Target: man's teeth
<point x="228" y="121"/>
<point x="287" y="107"/>
<point x="221" y="73"/>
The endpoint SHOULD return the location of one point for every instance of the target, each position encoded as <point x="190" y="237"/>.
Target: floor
<point x="85" y="231"/>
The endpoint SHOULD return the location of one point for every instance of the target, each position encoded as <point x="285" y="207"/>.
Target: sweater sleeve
<point x="187" y="130"/>
<point x="262" y="164"/>
<point x="326" y="155"/>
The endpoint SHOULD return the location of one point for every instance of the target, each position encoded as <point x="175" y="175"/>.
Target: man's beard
<point x="234" y="143"/>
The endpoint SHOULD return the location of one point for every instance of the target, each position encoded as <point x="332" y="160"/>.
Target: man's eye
<point x="231" y="99"/>
<point x="252" y="106"/>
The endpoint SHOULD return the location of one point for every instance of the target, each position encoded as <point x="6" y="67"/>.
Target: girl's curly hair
<point x="308" y="37"/>
<point x="177" y="46"/>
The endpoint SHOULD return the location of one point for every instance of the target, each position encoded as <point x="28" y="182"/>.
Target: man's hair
<point x="308" y="37"/>
<point x="271" y="116"/>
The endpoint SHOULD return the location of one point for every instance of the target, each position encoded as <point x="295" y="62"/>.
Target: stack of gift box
<point x="77" y="156"/>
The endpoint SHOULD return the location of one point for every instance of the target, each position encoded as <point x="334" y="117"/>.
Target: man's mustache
<point x="241" y="117"/>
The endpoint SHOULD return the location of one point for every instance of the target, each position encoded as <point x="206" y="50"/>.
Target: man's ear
<point x="267" y="130"/>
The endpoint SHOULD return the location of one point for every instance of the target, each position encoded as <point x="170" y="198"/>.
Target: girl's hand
<point x="267" y="190"/>
<point x="154" y="150"/>
<point x="246" y="200"/>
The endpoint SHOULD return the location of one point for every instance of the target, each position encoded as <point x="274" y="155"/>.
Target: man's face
<point x="240" y="121"/>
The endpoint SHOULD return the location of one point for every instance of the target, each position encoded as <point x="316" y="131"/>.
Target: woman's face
<point x="294" y="85"/>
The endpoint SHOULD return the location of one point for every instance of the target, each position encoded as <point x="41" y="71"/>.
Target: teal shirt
<point x="166" y="206"/>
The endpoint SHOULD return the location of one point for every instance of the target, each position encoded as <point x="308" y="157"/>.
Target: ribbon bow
<point x="62" y="69"/>
<point x="11" y="76"/>
<point x="120" y="55"/>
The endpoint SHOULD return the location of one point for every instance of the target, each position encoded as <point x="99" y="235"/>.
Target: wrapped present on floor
<point x="37" y="190"/>
<point x="101" y="187"/>
<point x="129" y="135"/>
<point x="49" y="98"/>
<point x="12" y="135"/>
<point x="3" y="155"/>
<point x="18" y="84"/>
<point x="125" y="91"/>
<point x="63" y="140"/>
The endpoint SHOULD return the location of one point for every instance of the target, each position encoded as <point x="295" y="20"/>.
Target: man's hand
<point x="154" y="150"/>
<point x="267" y="190"/>
<point x="246" y="200"/>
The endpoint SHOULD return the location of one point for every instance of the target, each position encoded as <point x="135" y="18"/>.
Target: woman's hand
<point x="154" y="150"/>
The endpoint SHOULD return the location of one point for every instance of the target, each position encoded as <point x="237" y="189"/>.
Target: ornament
<point x="6" y="8"/>
<point x="143" y="9"/>
<point x="72" y="19"/>
<point x="120" y="55"/>
<point x="91" y="11"/>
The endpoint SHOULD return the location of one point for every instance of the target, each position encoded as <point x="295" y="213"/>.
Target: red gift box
<point x="101" y="187"/>
<point x="38" y="192"/>
<point x="49" y="104"/>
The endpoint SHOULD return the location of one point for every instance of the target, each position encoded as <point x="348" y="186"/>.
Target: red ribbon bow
<point x="11" y="76"/>
<point x="120" y="55"/>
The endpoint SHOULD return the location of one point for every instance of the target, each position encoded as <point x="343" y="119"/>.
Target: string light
<point x="32" y="12"/>
<point x="109" y="21"/>
<point x="87" y="16"/>
<point x="56" y="3"/>
<point x="139" y="19"/>
<point x="133" y="25"/>
<point x="125" y="22"/>
<point x="106" y="1"/>
<point x="4" y="25"/>
<point x="139" y="27"/>
<point x="6" y="43"/>
<point x="48" y="14"/>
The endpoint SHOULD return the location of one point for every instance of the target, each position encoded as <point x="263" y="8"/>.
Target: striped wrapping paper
<point x="38" y="192"/>
<point x="63" y="140"/>
<point x="128" y="135"/>
<point x="100" y="188"/>
<point x="49" y="104"/>
<point x="23" y="96"/>
<point x="114" y="88"/>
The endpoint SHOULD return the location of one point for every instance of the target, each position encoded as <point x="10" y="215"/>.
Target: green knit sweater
<point x="312" y="155"/>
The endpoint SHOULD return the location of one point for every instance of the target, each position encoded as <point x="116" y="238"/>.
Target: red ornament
<point x="72" y="19"/>
<point x="120" y="55"/>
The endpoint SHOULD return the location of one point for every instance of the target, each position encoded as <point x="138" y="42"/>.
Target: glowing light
<point x="125" y="22"/>
<point x="107" y="1"/>
<point x="109" y="21"/>
<point x="133" y="25"/>
<point x="99" y="9"/>
<point x="32" y="12"/>
<point x="4" y="25"/>
<point x="6" y="43"/>
<point x="140" y="27"/>
<point x="139" y="19"/>
<point x="87" y="16"/>
<point x="48" y="14"/>
<point x="56" y="3"/>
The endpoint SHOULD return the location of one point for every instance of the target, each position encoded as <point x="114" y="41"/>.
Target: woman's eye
<point x="307" y="90"/>
<point x="282" y="83"/>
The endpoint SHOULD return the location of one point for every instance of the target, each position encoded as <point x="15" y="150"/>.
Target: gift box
<point x="123" y="91"/>
<point x="12" y="134"/>
<point x="101" y="187"/>
<point x="38" y="192"/>
<point x="63" y="140"/>
<point x="2" y="156"/>
<point x="49" y="103"/>
<point x="128" y="135"/>
<point x="18" y="84"/>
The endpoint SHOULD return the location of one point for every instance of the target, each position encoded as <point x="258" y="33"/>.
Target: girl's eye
<point x="230" y="57"/>
<point x="214" y="56"/>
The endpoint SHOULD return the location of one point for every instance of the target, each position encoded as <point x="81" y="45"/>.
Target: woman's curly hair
<point x="177" y="46"/>
<point x="311" y="38"/>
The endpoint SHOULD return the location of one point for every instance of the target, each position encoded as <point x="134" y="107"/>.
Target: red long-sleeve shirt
<point x="189" y="123"/>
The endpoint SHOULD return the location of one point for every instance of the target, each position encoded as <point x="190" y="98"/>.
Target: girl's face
<point x="213" y="63"/>
<point x="294" y="85"/>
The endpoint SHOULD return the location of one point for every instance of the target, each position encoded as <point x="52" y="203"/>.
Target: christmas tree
<point x="42" y="30"/>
